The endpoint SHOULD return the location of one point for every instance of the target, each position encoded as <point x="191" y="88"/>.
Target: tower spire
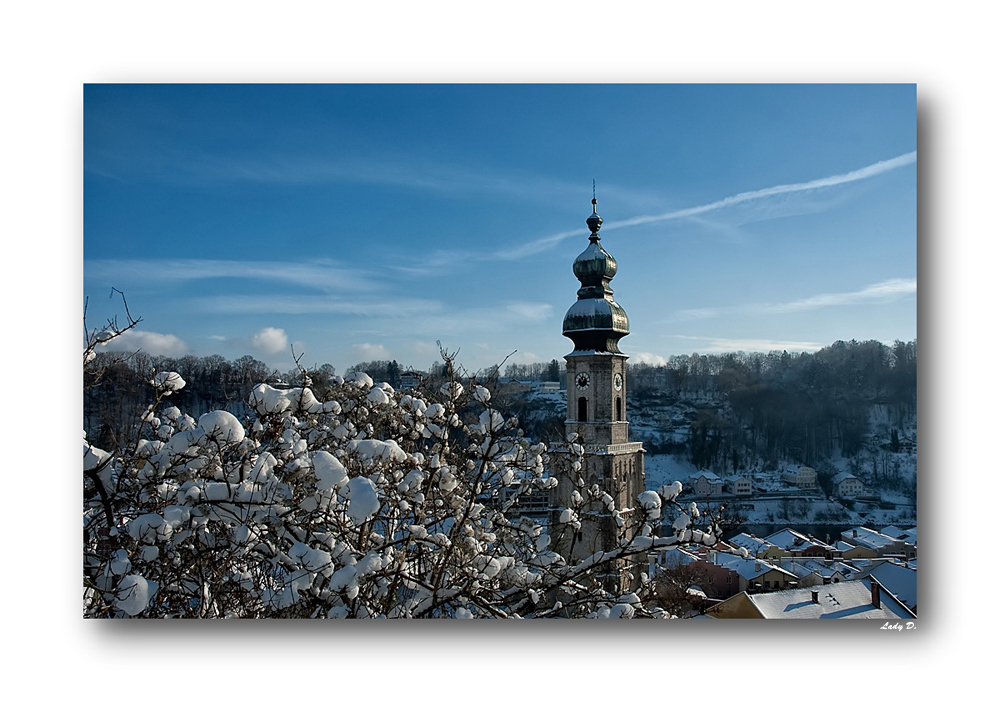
<point x="596" y="410"/>
<point x="595" y="322"/>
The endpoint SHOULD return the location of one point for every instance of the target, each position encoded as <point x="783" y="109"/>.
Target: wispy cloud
<point x="153" y="343"/>
<point x="320" y="275"/>
<point x="886" y="291"/>
<point x="719" y="345"/>
<point x="395" y="170"/>
<point x="871" y="171"/>
<point x="878" y="293"/>
<point x="827" y="182"/>
<point x="530" y="310"/>
<point x="381" y="307"/>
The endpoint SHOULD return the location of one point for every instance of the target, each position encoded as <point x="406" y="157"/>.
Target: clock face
<point x="618" y="381"/>
<point x="582" y="380"/>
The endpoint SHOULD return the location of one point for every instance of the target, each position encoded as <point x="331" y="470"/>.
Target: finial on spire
<point x="594" y="221"/>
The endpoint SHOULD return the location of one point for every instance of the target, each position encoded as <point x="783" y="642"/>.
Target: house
<point x="846" y="485"/>
<point x="758" y="548"/>
<point x="706" y="484"/>
<point x="716" y="582"/>
<point x="908" y="536"/>
<point x="755" y="574"/>
<point x="739" y="485"/>
<point x="545" y="386"/>
<point x="802" y="477"/>
<point x="410" y="379"/>
<point x="723" y="574"/>
<point x="812" y="572"/>
<point x="880" y="543"/>
<point x="855" y="599"/>
<point x="792" y="543"/>
<point x="847" y="551"/>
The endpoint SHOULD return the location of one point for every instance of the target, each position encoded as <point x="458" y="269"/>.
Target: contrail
<point x="829" y="181"/>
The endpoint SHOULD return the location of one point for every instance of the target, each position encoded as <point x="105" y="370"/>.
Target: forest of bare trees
<point x="767" y="406"/>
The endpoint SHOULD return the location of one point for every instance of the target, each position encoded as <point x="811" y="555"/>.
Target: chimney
<point x="756" y="566"/>
<point x="815" y="596"/>
<point x="855" y="533"/>
<point x="876" y="594"/>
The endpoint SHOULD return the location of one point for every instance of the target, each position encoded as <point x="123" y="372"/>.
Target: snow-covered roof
<point x="801" y="570"/>
<point x="789" y="539"/>
<point x="868" y="537"/>
<point x="678" y="557"/>
<point x="804" y="568"/>
<point x="909" y="535"/>
<point x="845" y="600"/>
<point x="707" y="474"/>
<point x="795" y="470"/>
<point x="899" y="580"/>
<point x="750" y="543"/>
<point x="844" y="568"/>
<point x="748" y="568"/>
<point x="844" y="475"/>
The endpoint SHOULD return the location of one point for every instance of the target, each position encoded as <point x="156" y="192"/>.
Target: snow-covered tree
<point x="363" y="502"/>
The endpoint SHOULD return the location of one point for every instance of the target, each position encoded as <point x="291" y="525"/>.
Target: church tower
<point x="596" y="393"/>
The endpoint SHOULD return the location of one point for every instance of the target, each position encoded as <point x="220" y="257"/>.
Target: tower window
<point x="618" y="409"/>
<point x="581" y="409"/>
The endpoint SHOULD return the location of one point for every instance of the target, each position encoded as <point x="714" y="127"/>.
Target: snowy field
<point x="665" y="468"/>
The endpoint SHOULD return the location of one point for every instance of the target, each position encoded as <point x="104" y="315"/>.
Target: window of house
<point x="581" y="409"/>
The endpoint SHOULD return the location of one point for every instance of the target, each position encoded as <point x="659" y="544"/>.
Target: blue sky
<point x="362" y="222"/>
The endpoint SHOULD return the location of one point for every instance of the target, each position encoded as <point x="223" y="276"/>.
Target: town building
<point x="410" y="379"/>
<point x="705" y="483"/>
<point x="597" y="386"/>
<point x="878" y="542"/>
<point x="802" y="477"/>
<point x="847" y="485"/>
<point x="756" y="547"/>
<point x="792" y="543"/>
<point x="739" y="485"/>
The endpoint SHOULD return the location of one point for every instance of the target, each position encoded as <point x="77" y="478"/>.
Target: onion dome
<point x="595" y="322"/>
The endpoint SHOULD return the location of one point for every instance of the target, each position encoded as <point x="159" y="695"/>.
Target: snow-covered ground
<point x="663" y="469"/>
